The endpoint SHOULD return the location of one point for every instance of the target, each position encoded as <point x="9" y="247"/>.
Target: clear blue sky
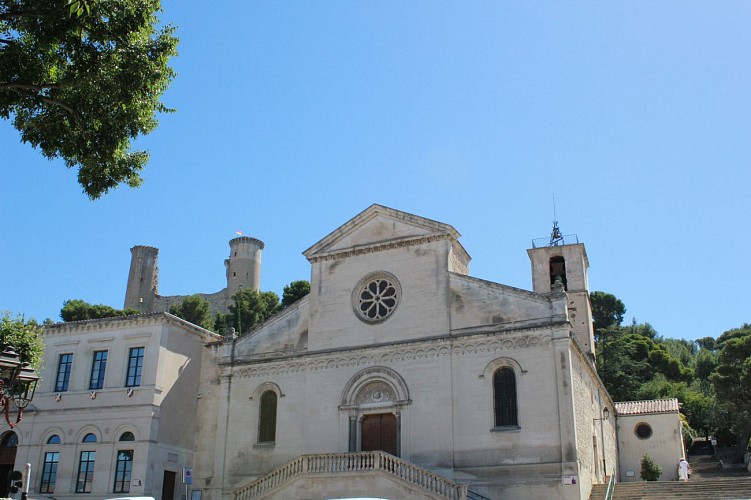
<point x="295" y="116"/>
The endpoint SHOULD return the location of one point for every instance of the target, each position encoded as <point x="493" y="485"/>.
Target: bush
<point x="650" y="470"/>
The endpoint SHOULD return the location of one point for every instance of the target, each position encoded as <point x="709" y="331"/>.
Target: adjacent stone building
<point x="115" y="412"/>
<point x="653" y="428"/>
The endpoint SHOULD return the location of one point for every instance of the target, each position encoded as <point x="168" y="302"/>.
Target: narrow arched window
<point x="127" y="436"/>
<point x="504" y="393"/>
<point x="54" y="439"/>
<point x="89" y="438"/>
<point x="267" y="418"/>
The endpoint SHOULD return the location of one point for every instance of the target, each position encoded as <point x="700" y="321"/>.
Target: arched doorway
<point x="8" y="448"/>
<point x="374" y="400"/>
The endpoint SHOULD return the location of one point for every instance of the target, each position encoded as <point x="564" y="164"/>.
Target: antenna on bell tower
<point x="556" y="238"/>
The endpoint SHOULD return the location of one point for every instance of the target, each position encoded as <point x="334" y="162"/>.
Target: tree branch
<point x="7" y="16"/>
<point x="55" y="102"/>
<point x="8" y="42"/>
<point x="29" y="86"/>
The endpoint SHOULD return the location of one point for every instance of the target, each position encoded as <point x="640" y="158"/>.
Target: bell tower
<point x="562" y="259"/>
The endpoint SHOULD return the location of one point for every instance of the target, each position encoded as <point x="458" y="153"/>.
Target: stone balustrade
<point x="342" y="463"/>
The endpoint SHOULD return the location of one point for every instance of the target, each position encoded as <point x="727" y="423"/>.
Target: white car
<point x="131" y="498"/>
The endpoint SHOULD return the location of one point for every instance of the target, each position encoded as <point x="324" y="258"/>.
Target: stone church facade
<point x="398" y="348"/>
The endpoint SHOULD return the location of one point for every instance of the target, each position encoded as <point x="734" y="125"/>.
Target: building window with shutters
<point x="267" y="418"/>
<point x="504" y="395"/>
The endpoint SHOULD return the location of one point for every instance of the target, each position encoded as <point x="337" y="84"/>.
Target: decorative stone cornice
<point x="389" y="355"/>
<point x="123" y="322"/>
<point x="378" y="247"/>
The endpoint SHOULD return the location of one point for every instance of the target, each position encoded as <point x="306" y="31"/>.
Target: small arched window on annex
<point x="558" y="271"/>
<point x="54" y="439"/>
<point x="267" y="395"/>
<point x="127" y="436"/>
<point x="90" y="434"/>
<point x="503" y="374"/>
<point x="374" y="398"/>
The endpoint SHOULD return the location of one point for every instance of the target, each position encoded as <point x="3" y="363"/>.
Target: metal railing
<point x="569" y="239"/>
<point x="472" y="495"/>
<point x="610" y="489"/>
<point x="336" y="463"/>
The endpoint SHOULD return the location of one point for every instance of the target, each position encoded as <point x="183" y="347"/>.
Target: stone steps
<point x="724" y="488"/>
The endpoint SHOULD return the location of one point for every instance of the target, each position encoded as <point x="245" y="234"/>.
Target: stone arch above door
<point x="376" y="386"/>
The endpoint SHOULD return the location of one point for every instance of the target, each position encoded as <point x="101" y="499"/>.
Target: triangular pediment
<point x="377" y="226"/>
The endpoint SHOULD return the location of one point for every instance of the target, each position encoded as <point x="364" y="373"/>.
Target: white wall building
<point x="115" y="411"/>
<point x="653" y="428"/>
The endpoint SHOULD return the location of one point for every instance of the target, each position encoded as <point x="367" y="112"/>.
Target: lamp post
<point x="605" y="416"/>
<point x="17" y="384"/>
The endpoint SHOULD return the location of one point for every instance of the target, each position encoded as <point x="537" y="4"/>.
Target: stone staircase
<point x="708" y="480"/>
<point x="735" y="488"/>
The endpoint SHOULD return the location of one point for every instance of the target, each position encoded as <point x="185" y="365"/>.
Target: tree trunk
<point x="743" y="442"/>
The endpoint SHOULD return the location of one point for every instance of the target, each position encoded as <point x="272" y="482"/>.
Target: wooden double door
<point x="379" y="432"/>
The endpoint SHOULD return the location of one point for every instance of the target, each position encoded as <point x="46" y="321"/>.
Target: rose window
<point x="377" y="296"/>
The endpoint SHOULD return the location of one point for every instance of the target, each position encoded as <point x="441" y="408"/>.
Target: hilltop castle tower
<point x="244" y="264"/>
<point x="143" y="279"/>
<point x="243" y="268"/>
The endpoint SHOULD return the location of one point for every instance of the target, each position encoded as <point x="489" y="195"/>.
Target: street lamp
<point x="17" y="383"/>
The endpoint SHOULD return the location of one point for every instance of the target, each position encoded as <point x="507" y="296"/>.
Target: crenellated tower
<point x="143" y="279"/>
<point x="243" y="265"/>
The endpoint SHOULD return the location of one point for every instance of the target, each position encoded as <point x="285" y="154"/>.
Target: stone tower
<point x="564" y="259"/>
<point x="143" y="279"/>
<point x="243" y="265"/>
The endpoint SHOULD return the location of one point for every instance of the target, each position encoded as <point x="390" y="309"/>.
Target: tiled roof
<point x="642" y="407"/>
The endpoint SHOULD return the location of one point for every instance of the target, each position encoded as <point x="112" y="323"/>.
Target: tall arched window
<point x="504" y="393"/>
<point x="267" y="418"/>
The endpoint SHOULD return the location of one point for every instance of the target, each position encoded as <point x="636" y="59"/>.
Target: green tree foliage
<point x="250" y="308"/>
<point x="704" y="364"/>
<point x="732" y="380"/>
<point x="194" y="309"/>
<point x="294" y="292"/>
<point x="607" y="310"/>
<point x="81" y="85"/>
<point x="708" y="343"/>
<point x="24" y="336"/>
<point x="79" y="310"/>
<point x="629" y="357"/>
<point x="650" y="470"/>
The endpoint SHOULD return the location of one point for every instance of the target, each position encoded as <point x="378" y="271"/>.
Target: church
<point x="398" y="349"/>
<point x="399" y="376"/>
